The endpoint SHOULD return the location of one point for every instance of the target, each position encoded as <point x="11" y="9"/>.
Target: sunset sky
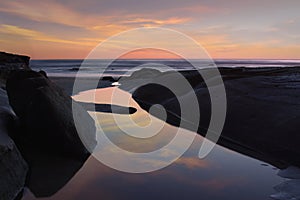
<point x="225" y="28"/>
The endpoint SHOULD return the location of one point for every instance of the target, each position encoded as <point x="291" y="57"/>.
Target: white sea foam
<point x="290" y="188"/>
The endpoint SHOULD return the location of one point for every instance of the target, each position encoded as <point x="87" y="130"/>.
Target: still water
<point x="223" y="174"/>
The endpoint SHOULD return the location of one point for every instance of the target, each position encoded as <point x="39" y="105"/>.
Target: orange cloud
<point x="50" y="12"/>
<point x="156" y="22"/>
<point x="150" y="53"/>
<point x="220" y="183"/>
<point x="193" y="162"/>
<point x="268" y="50"/>
<point x="97" y="27"/>
<point x="36" y="35"/>
<point x="58" y="13"/>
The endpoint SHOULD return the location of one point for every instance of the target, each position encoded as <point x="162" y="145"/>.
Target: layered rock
<point x="263" y="109"/>
<point x="46" y="118"/>
<point x="13" y="168"/>
<point x="10" y="63"/>
<point x="13" y="61"/>
<point x="43" y="129"/>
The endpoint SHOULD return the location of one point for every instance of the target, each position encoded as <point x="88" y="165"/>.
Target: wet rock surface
<point x="10" y="63"/>
<point x="263" y="109"/>
<point x="45" y="113"/>
<point x="13" y="168"/>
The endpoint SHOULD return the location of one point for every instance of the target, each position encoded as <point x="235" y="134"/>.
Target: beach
<point x="257" y="142"/>
<point x="150" y="100"/>
<point x="67" y="83"/>
<point x="257" y="97"/>
<point x="255" y="86"/>
<point x="254" y="95"/>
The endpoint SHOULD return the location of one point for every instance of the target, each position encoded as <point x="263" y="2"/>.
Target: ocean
<point x="69" y="68"/>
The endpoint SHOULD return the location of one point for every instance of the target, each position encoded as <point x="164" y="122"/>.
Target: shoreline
<point x="238" y="82"/>
<point x="66" y="82"/>
<point x="35" y="100"/>
<point x="262" y="109"/>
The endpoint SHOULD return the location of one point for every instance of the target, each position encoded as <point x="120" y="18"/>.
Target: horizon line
<point x="165" y="59"/>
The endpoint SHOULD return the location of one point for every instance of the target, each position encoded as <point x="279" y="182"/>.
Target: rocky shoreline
<point x="13" y="167"/>
<point x="38" y="137"/>
<point x="39" y="141"/>
<point x="263" y="108"/>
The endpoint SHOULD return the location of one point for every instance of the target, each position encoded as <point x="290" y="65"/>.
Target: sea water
<point x="124" y="67"/>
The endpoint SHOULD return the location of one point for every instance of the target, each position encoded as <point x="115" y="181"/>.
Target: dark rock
<point x="48" y="172"/>
<point x="108" y="78"/>
<point x="144" y="73"/>
<point x="108" y="108"/>
<point x="13" y="168"/>
<point x="74" y="69"/>
<point x="46" y="118"/>
<point x="10" y="63"/>
<point x="43" y="73"/>
<point x="19" y="61"/>
<point x="263" y="110"/>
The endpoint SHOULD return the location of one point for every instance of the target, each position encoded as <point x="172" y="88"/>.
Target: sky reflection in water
<point x="223" y="174"/>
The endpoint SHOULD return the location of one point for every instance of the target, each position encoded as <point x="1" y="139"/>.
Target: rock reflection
<point x="49" y="173"/>
<point x="223" y="174"/>
<point x="290" y="188"/>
